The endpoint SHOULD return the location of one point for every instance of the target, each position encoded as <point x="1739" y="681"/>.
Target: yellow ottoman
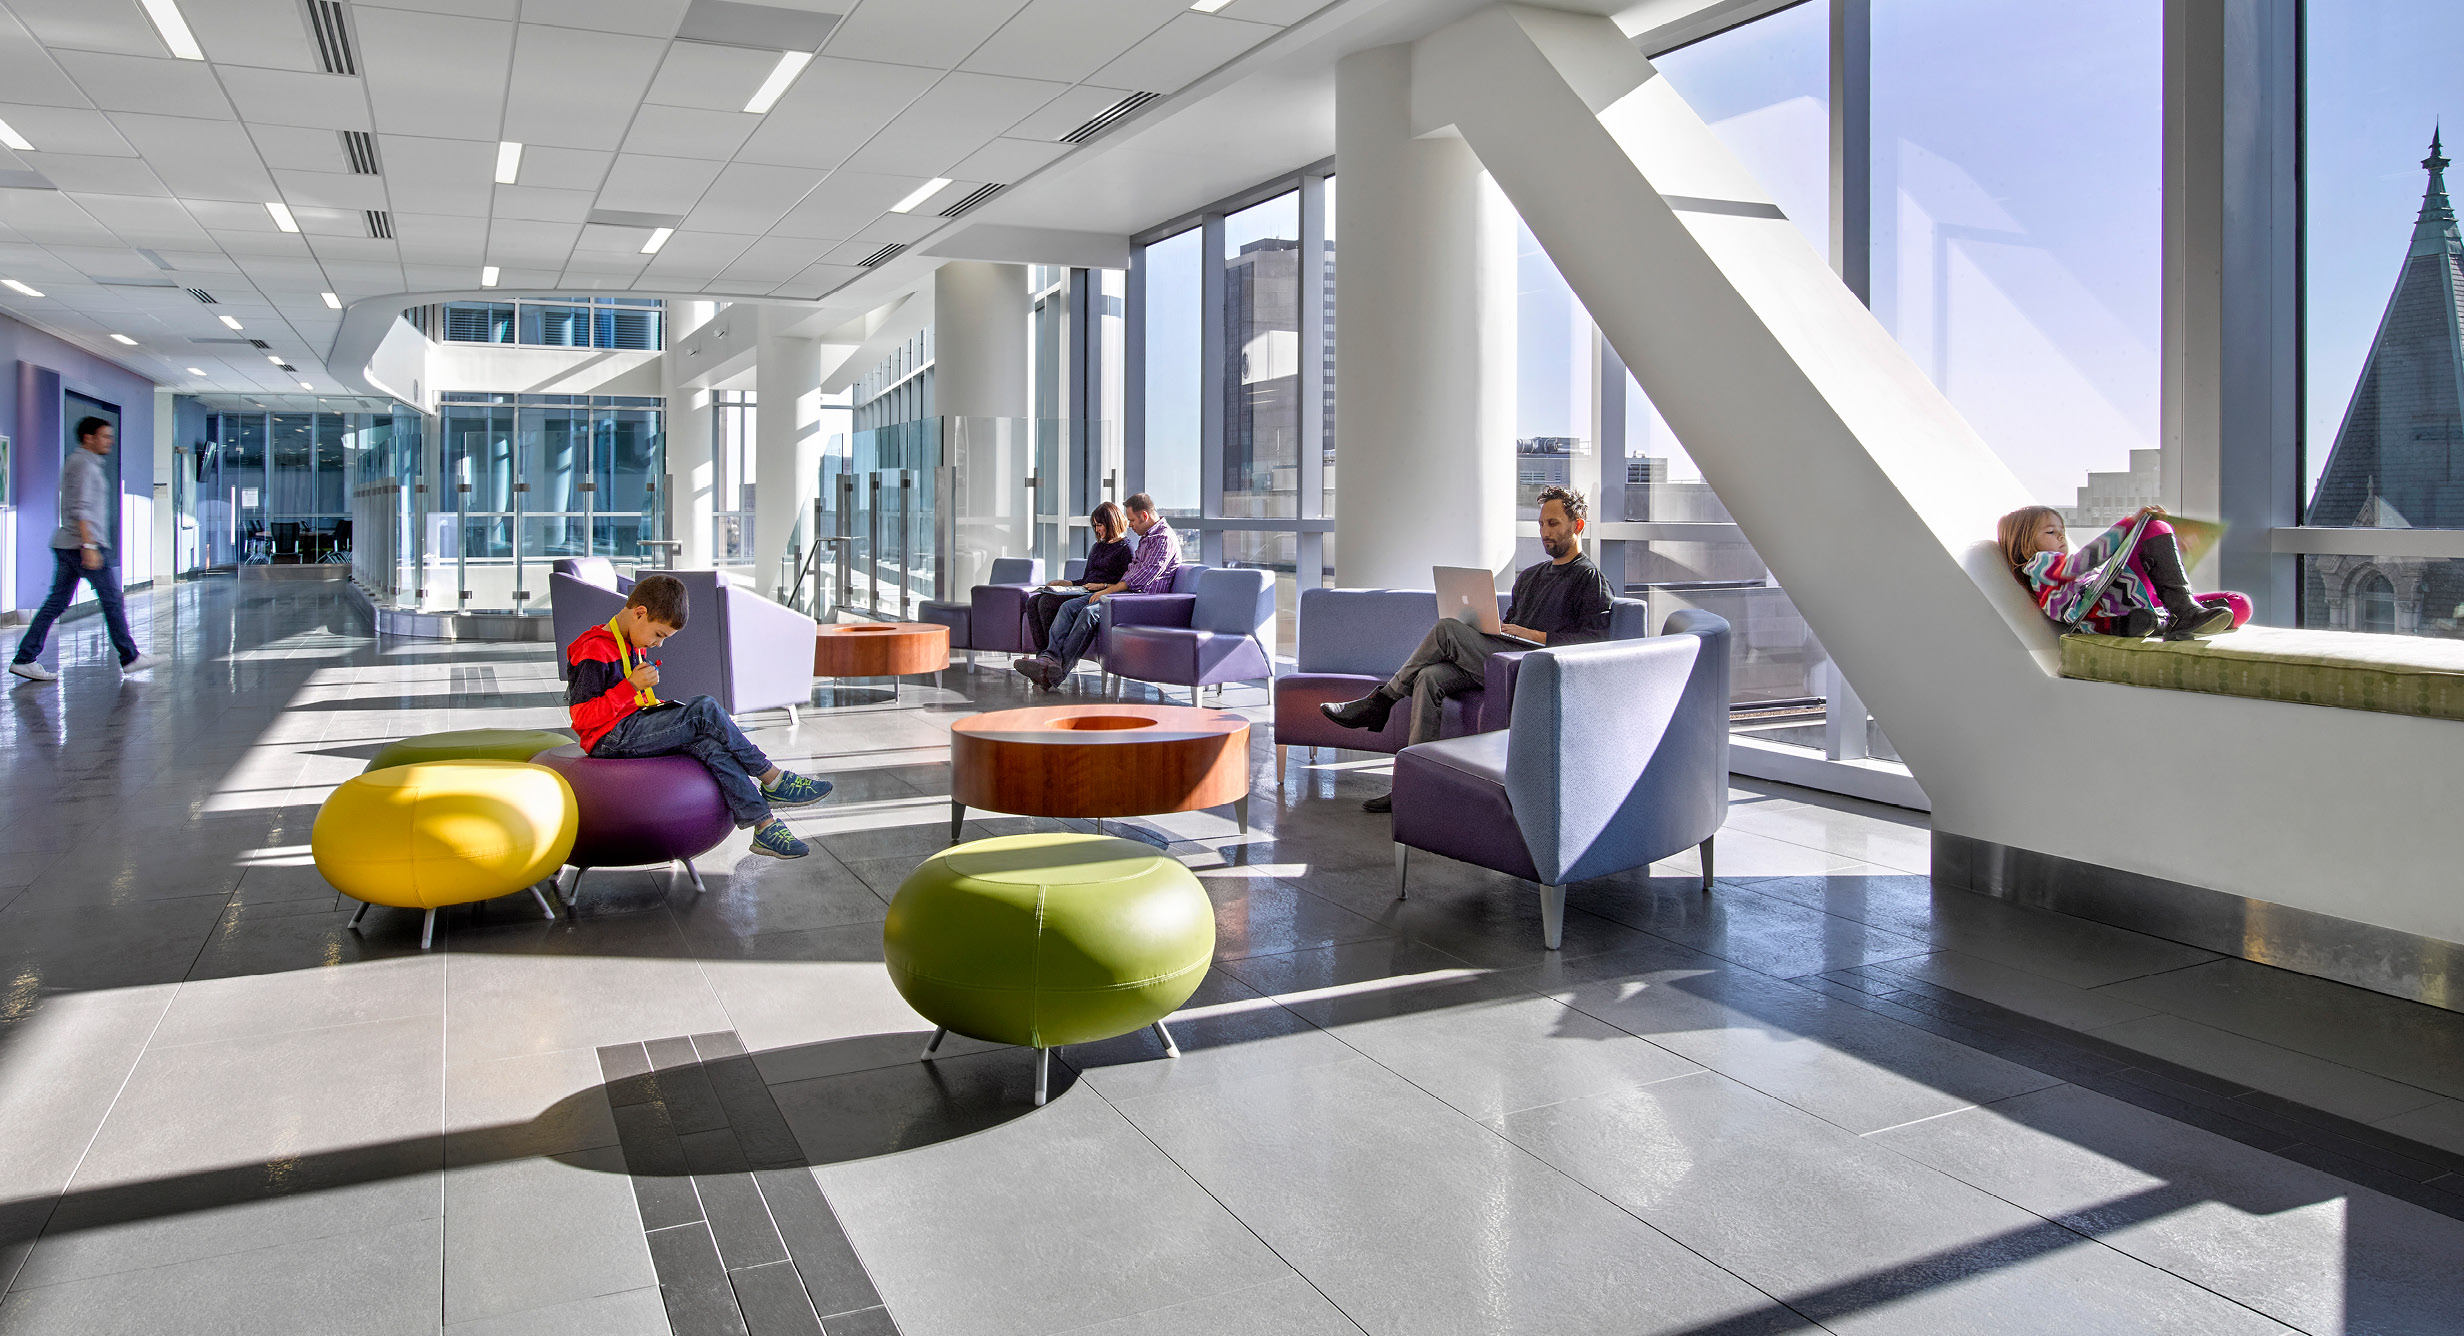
<point x="468" y="744"/>
<point x="444" y="833"/>
<point x="1048" y="939"/>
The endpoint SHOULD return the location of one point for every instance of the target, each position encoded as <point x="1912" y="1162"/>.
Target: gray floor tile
<point x="304" y="999"/>
<point x="2440" y="1124"/>
<point x="1045" y="1240"/>
<point x="2020" y="990"/>
<point x="1496" y="1056"/>
<point x="378" y="1281"/>
<point x="2316" y="1082"/>
<point x="536" y="1104"/>
<point x="2402" y="1041"/>
<point x="1257" y="915"/>
<point x="534" y="1233"/>
<point x="100" y="1232"/>
<point x="502" y="1004"/>
<point x="61" y="1066"/>
<point x="1287" y="1307"/>
<point x="1775" y="937"/>
<point x="1226" y="1031"/>
<point x="632" y="1313"/>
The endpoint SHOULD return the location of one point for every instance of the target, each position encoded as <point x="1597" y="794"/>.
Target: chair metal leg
<point x="1171" y="1049"/>
<point x="958" y="817"/>
<point x="1403" y="859"/>
<point x="793" y="719"/>
<point x="544" y="911"/>
<point x="427" y="930"/>
<point x="938" y="1036"/>
<point x="1283" y="767"/>
<point x="570" y="890"/>
<point x="1240" y="812"/>
<point x="1552" y="916"/>
<point x="1043" y="1074"/>
<point x="363" y="913"/>
<point x="1706" y="847"/>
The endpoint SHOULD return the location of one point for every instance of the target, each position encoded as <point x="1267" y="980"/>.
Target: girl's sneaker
<point x="772" y="837"/>
<point x="794" y="790"/>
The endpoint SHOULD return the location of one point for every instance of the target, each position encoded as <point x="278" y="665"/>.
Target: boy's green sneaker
<point x="794" y="790"/>
<point x="772" y="837"/>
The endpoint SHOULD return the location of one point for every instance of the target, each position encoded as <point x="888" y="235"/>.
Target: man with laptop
<point x="1562" y="601"/>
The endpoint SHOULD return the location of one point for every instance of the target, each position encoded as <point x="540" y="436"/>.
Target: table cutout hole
<point x="1096" y="723"/>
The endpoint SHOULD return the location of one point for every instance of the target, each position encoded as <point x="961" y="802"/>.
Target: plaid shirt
<point x="1159" y="552"/>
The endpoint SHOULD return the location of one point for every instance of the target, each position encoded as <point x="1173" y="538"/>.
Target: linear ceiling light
<point x="1209" y="6"/>
<point x="228" y="322"/>
<point x="306" y="386"/>
<point x="331" y="300"/>
<point x="922" y="193"/>
<point x="282" y="215"/>
<point x="196" y="371"/>
<point x="508" y="162"/>
<point x="273" y="359"/>
<point x="658" y="238"/>
<point x="10" y="137"/>
<point x="487" y="276"/>
<point x="123" y="338"/>
<point x="791" y="64"/>
<point x="174" y="28"/>
<point x="14" y="286"/>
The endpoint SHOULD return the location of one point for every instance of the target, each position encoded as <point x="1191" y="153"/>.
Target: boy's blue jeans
<point x="700" y="729"/>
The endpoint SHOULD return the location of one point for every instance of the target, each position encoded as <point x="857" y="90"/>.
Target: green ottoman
<point x="1049" y="939"/>
<point x="469" y="744"/>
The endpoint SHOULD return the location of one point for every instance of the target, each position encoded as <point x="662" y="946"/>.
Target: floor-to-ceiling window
<point x="527" y="479"/>
<point x="1171" y="426"/>
<point x="623" y="323"/>
<point x="2383" y="265"/>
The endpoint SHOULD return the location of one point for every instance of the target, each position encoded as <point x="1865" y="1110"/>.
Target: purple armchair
<point x="1021" y="573"/>
<point x="997" y="612"/>
<point x="1220" y="637"/>
<point x="1617" y="756"/>
<point x="737" y="647"/>
<point x="592" y="570"/>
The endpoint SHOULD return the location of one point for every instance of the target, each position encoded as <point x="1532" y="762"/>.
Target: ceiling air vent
<point x="972" y="198"/>
<point x="1112" y="116"/>
<point x="881" y="256"/>
<point x="203" y="296"/>
<point x="259" y="343"/>
<point x="333" y="36"/>
<point x="288" y="367"/>
<point x="359" y="149"/>
<point x="380" y="225"/>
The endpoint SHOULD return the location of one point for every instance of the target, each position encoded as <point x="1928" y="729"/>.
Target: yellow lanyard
<point x="642" y="696"/>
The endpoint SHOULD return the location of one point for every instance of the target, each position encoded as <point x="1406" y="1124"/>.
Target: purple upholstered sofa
<point x="737" y="647"/>
<point x="1617" y="756"/>
<point x="1353" y="639"/>
<point x="1215" y="635"/>
<point x="997" y="612"/>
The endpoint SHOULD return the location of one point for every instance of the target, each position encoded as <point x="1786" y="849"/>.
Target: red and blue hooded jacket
<point x="597" y="697"/>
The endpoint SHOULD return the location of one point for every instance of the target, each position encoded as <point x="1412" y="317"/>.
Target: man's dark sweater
<point x="1568" y="603"/>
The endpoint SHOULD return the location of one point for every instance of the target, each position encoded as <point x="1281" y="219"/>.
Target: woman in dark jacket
<point x="1107" y="562"/>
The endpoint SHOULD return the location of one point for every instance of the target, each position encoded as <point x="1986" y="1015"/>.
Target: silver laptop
<point x="1469" y="594"/>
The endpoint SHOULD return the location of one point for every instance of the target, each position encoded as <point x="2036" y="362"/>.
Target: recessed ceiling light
<point x="123" y="338"/>
<point x="922" y="193"/>
<point x="487" y="276"/>
<point x="282" y="215"/>
<point x="508" y="162"/>
<point x="273" y="359"/>
<point x="14" y="286"/>
<point x="331" y="300"/>
<point x="791" y="64"/>
<point x="306" y="386"/>
<point x="174" y="28"/>
<point x="10" y="137"/>
<point x="1209" y="6"/>
<point x="228" y="322"/>
<point x="196" y="371"/>
<point x="658" y="238"/>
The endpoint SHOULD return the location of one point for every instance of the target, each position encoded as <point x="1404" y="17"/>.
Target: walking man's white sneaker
<point x="34" y="672"/>
<point x="139" y="664"/>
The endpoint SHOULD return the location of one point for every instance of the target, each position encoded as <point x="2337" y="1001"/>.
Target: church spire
<point x="2434" y="231"/>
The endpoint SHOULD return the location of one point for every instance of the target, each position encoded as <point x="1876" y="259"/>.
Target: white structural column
<point x="1425" y="339"/>
<point x="1874" y="503"/>
<point x="687" y="428"/>
<point x="980" y="316"/>
<point x="787" y="443"/>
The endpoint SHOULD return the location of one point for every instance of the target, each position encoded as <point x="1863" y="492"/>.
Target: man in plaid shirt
<point x="1150" y="572"/>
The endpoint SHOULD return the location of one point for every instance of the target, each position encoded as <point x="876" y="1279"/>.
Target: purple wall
<point x="39" y="368"/>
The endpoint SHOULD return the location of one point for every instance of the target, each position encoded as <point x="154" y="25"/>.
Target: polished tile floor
<point x="1823" y="1097"/>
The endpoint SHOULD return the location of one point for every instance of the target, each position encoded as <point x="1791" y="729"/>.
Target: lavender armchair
<point x="1617" y="756"/>
<point x="997" y="612"/>
<point x="1222" y="640"/>
<point x="592" y="570"/>
<point x="737" y="647"/>
<point x="1020" y="573"/>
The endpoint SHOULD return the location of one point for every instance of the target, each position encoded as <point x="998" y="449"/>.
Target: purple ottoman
<point x="638" y="812"/>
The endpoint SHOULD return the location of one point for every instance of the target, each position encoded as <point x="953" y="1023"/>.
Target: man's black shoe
<point x="1369" y="712"/>
<point x="1384" y="802"/>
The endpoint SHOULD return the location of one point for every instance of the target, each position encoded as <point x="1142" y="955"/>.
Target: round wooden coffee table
<point x="1099" y="761"/>
<point x="880" y="649"/>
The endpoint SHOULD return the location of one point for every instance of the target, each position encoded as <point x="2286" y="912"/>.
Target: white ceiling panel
<point x="774" y="259"/>
<point x="1067" y="112"/>
<point x="848" y="252"/>
<point x="715" y="78"/>
<point x="709" y="251"/>
<point x="109" y="176"/>
<point x="1070" y="39"/>
<point x="212" y="160"/>
<point x="331" y="190"/>
<point x="546" y="206"/>
<point x="576" y="89"/>
<point x="749" y="198"/>
<point x="340" y="254"/>
<point x="89" y="25"/>
<point x="603" y="239"/>
<point x="434" y="75"/>
<point x="1278" y="12"/>
<point x="358" y="274"/>
<point x="199" y="262"/>
<point x="437" y="229"/>
<point x="959" y="115"/>
<point x="27" y="72"/>
<point x="565" y="168"/>
<point x="900" y="227"/>
<point x="65" y="129"/>
<point x="647" y="18"/>
<point x="689" y="132"/>
<point x="641" y="184"/>
<point x="267" y="33"/>
<point x="318" y="220"/>
<point x="438" y="175"/>
<point x="511" y="241"/>
<point x="477" y="9"/>
<point x="229" y="215"/>
<point x="845" y="202"/>
<point x="1006" y="160"/>
<point x="436" y="277"/>
<point x="939" y="34"/>
<point x="290" y="147"/>
<point x="162" y="86"/>
<point x="816" y="280"/>
<point x="837" y="105"/>
<point x="50" y="208"/>
<point x="734" y="287"/>
<point x="528" y="276"/>
<point x="1186" y="48"/>
<point x="287" y="97"/>
<point x="246" y="247"/>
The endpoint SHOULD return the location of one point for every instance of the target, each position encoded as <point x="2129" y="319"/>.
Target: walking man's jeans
<point x="1452" y="659"/>
<point x="700" y="729"/>
<point x="70" y="567"/>
<point x="1073" y="629"/>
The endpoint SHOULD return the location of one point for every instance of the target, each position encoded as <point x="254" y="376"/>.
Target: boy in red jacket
<point x="609" y="695"/>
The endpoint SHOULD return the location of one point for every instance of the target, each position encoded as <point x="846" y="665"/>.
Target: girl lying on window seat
<point x="2150" y="594"/>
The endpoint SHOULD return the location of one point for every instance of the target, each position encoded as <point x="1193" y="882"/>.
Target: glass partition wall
<point x="523" y="480"/>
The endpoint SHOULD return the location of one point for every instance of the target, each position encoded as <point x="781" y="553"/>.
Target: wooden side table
<point x="1099" y="761"/>
<point x="880" y="649"/>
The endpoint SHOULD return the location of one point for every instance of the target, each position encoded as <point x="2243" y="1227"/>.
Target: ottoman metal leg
<point x="363" y="913"/>
<point x="427" y="930"/>
<point x="938" y="1036"/>
<point x="1707" y="863"/>
<point x="1240" y="812"/>
<point x="570" y="889"/>
<point x="1403" y="859"/>
<point x="544" y="910"/>
<point x="694" y="875"/>
<point x="1171" y="1050"/>
<point x="1043" y="1074"/>
<point x="958" y="817"/>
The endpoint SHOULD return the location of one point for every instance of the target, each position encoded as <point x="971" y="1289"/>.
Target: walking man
<point x="80" y="549"/>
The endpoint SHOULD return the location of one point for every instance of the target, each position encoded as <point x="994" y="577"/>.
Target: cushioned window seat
<point x="2388" y="673"/>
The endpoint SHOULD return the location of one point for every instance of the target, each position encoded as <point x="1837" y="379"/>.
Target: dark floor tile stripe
<point x="700" y="1300"/>
<point x="862" y="1322"/>
<point x="773" y="1301"/>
